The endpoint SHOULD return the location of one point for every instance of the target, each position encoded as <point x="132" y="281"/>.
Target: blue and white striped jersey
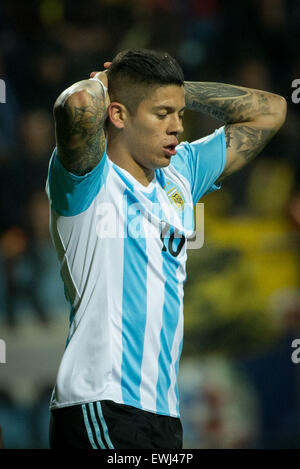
<point x="122" y="251"/>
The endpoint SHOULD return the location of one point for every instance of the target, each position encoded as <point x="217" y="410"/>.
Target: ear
<point x="117" y="114"/>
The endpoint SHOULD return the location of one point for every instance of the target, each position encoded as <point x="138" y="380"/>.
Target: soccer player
<point x="122" y="190"/>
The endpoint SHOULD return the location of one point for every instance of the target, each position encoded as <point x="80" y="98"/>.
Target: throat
<point x="124" y="160"/>
<point x="142" y="175"/>
<point x="145" y="179"/>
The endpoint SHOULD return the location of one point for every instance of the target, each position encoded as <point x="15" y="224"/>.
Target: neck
<point x="120" y="155"/>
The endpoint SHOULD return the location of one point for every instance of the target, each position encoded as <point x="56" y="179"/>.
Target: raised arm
<point x="80" y="113"/>
<point x="251" y="117"/>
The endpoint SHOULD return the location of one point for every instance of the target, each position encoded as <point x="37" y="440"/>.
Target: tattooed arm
<point x="80" y="113"/>
<point x="251" y="117"/>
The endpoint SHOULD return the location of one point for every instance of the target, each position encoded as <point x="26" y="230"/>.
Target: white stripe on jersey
<point x="155" y="302"/>
<point x="115" y="251"/>
<point x="173" y="400"/>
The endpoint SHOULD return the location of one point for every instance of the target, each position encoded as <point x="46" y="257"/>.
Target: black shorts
<point x="107" y="425"/>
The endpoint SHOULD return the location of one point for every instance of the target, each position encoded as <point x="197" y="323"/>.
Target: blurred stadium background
<point x="239" y="387"/>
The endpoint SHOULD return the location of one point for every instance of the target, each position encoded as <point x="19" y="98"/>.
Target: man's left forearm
<point x="232" y="104"/>
<point x="251" y="117"/>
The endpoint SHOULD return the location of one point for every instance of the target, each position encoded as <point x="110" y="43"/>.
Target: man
<point x="120" y="187"/>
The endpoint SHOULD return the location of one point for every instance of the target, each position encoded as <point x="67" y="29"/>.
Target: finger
<point x="107" y="64"/>
<point x="92" y="74"/>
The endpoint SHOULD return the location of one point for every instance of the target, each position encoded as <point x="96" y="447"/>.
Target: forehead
<point x="169" y="96"/>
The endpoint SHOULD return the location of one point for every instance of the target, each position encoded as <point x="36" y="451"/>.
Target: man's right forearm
<point x="80" y="113"/>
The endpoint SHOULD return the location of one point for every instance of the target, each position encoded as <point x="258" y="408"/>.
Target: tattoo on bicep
<point x="80" y="135"/>
<point x="228" y="137"/>
<point x="247" y="141"/>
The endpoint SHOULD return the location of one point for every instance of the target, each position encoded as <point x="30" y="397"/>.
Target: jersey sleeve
<point x="70" y="194"/>
<point x="202" y="162"/>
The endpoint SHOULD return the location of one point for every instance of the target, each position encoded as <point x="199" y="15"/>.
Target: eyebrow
<point x="167" y="108"/>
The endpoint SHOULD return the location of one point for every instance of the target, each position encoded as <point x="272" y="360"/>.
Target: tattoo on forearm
<point x="227" y="103"/>
<point x="80" y="134"/>
<point x="251" y="117"/>
<point x="212" y="90"/>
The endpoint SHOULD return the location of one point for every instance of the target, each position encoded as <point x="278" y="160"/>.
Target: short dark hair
<point x="133" y="71"/>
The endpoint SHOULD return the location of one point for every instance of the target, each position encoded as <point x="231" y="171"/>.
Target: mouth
<point x="170" y="150"/>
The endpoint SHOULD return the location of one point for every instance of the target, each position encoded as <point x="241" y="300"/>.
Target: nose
<point x="176" y="126"/>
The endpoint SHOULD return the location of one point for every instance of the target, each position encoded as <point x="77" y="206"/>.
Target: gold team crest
<point x="177" y="199"/>
<point x="175" y="196"/>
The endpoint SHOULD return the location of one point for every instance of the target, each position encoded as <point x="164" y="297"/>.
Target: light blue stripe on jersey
<point x="170" y="319"/>
<point x="104" y="426"/>
<point x="134" y="304"/>
<point x="88" y="427"/>
<point x="123" y="177"/>
<point x="160" y="177"/>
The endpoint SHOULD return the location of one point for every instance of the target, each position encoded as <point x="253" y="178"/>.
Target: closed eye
<point x="162" y="116"/>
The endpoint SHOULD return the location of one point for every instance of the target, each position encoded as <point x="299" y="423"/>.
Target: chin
<point x="162" y="162"/>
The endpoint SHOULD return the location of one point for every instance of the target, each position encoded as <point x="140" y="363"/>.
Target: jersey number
<point x="179" y="246"/>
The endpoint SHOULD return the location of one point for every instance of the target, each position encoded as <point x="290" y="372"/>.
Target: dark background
<point x="239" y="385"/>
